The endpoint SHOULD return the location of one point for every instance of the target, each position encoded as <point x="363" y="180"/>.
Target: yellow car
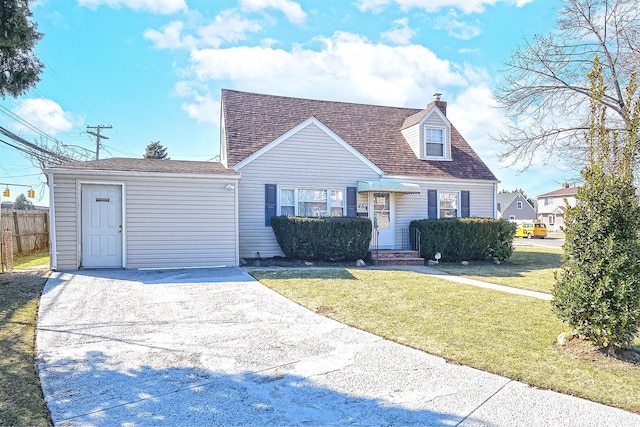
<point x="531" y="230"/>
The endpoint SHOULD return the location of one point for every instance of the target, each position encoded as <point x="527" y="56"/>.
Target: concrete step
<point x="386" y="253"/>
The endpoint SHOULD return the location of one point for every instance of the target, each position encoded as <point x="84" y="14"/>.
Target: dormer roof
<point x="252" y="121"/>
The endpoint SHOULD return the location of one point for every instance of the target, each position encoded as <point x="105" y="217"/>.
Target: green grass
<point x="506" y="334"/>
<point x="529" y="268"/>
<point x="21" y="401"/>
<point x="25" y="261"/>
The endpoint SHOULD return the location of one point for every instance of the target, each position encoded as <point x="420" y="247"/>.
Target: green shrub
<point x="331" y="238"/>
<point x="597" y="291"/>
<point x="465" y="239"/>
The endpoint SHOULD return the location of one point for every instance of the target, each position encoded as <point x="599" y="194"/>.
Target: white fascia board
<point x="325" y="129"/>
<point x="435" y="110"/>
<point x="101" y="173"/>
<point x="426" y="178"/>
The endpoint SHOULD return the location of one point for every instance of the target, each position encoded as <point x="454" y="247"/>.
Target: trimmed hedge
<point x="330" y="238"/>
<point x="465" y="239"/>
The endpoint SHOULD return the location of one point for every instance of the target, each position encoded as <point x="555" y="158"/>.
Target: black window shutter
<point x="352" y="201"/>
<point x="432" y="204"/>
<point x="464" y="204"/>
<point x="270" y="203"/>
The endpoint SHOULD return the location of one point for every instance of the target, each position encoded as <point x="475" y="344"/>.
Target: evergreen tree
<point x="19" y="68"/>
<point x="155" y="150"/>
<point x="22" y="203"/>
<point x="597" y="290"/>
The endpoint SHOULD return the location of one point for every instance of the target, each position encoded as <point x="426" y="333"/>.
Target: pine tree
<point x="22" y="203"/>
<point x="19" y="68"/>
<point x="155" y="150"/>
<point x="597" y="290"/>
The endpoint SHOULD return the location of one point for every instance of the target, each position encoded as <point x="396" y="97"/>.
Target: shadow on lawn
<point x="319" y="273"/>
<point x="87" y="391"/>
<point x="520" y="262"/>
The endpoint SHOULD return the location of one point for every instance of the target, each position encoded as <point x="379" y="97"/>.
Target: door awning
<point x="388" y="186"/>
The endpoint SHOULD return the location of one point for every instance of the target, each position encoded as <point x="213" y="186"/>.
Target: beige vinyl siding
<point x="65" y="226"/>
<point x="309" y="158"/>
<point x="169" y="221"/>
<point x="414" y="206"/>
<point x="187" y="222"/>
<point x="412" y="136"/>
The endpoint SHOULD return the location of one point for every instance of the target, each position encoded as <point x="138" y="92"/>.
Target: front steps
<point x="396" y="257"/>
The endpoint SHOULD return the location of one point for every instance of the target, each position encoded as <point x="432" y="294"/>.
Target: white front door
<point x="381" y="208"/>
<point x="101" y="226"/>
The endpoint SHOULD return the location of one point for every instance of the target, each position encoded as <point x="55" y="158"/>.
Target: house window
<point x="434" y="140"/>
<point x="448" y="205"/>
<point x="552" y="219"/>
<point x="311" y="202"/>
<point x="547" y="201"/>
<point x="512" y="217"/>
<point x="519" y="205"/>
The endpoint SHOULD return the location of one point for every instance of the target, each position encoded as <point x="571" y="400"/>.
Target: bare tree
<point x="546" y="94"/>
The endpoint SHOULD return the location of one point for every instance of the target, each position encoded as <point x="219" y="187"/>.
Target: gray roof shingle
<point x="127" y="164"/>
<point x="252" y="121"/>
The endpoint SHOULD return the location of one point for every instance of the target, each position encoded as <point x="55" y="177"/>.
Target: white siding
<point x="414" y="206"/>
<point x="169" y="222"/>
<point x="412" y="136"/>
<point x="309" y="158"/>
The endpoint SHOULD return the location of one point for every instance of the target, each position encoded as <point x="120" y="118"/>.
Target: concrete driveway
<point x="215" y="347"/>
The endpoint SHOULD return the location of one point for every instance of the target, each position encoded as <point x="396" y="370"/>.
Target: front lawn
<point x="506" y="334"/>
<point x="529" y="268"/>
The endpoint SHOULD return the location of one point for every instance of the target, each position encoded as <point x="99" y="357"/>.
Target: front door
<point x="383" y="219"/>
<point x="101" y="226"/>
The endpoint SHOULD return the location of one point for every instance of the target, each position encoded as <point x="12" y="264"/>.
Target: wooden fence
<point x="29" y="229"/>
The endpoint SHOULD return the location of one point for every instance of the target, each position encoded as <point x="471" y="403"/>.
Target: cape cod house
<point x="279" y="156"/>
<point x="513" y="206"/>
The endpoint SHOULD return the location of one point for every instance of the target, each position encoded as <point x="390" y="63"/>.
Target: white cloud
<point x="465" y="6"/>
<point x="227" y="27"/>
<point x="375" y="6"/>
<point x="45" y="115"/>
<point x="456" y="28"/>
<point x="163" y="7"/>
<point x="401" y="34"/>
<point x="291" y="9"/>
<point x="348" y="67"/>
<point x="204" y="109"/>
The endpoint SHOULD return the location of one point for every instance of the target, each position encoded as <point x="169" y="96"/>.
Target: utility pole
<point x="98" y="136"/>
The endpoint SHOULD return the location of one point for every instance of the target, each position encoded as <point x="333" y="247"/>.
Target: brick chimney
<point x="565" y="185"/>
<point x="442" y="105"/>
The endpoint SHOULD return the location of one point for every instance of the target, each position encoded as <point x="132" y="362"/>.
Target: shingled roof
<point x="128" y="164"/>
<point x="252" y="121"/>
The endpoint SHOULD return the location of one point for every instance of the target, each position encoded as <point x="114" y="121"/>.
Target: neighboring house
<point x="310" y="157"/>
<point x="279" y="156"/>
<point x="552" y="206"/>
<point x="514" y="206"/>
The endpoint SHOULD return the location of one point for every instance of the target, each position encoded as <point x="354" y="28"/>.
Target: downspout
<point x="53" y="263"/>
<point x="237" y="224"/>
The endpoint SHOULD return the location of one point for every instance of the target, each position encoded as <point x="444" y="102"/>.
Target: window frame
<point x="519" y="204"/>
<point x="445" y="139"/>
<point x="458" y="213"/>
<point x="296" y="200"/>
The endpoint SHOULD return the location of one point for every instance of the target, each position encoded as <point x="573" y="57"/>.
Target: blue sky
<point x="153" y="69"/>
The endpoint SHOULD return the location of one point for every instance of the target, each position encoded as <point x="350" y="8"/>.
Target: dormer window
<point x="434" y="142"/>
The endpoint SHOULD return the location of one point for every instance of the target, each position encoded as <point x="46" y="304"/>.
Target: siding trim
<point x="53" y="262"/>
<point x="325" y="129"/>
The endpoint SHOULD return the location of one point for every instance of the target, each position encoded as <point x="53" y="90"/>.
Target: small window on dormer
<point x="434" y="142"/>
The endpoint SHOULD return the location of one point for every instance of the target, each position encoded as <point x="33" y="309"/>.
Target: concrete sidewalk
<point x="215" y="347"/>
